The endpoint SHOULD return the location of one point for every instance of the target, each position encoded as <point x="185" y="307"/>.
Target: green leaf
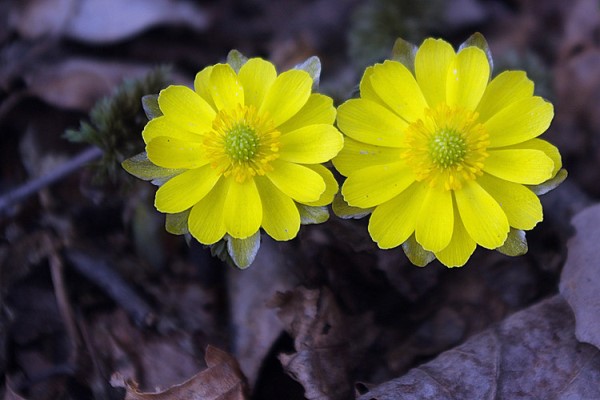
<point x="346" y="211"/>
<point x="404" y="52"/>
<point x="416" y="253"/>
<point x="140" y="167"/>
<point x="243" y="251"/>
<point x="312" y="215"/>
<point x="515" y="244"/>
<point x="550" y="184"/>
<point x="177" y="224"/>
<point x="236" y="60"/>
<point x="150" y="105"/>
<point x="312" y="65"/>
<point x="478" y="40"/>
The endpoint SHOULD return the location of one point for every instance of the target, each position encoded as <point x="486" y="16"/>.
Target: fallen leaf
<point x="532" y="354"/>
<point x="10" y="393"/>
<point x="255" y="323"/>
<point x="580" y="277"/>
<point x="78" y="83"/>
<point x="102" y="21"/>
<point x="326" y="340"/>
<point x="222" y="380"/>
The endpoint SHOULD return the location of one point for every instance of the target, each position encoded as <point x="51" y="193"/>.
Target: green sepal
<point x="405" y="52"/>
<point x="312" y="65"/>
<point x="243" y="251"/>
<point x="177" y="224"/>
<point x="346" y="211"/>
<point x="515" y="244"/>
<point x="141" y="167"/>
<point x="236" y="60"/>
<point x="550" y="184"/>
<point x="150" y="105"/>
<point x="416" y="253"/>
<point x="312" y="215"/>
<point x="478" y="40"/>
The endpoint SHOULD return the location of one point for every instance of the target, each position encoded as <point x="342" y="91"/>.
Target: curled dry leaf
<point x="102" y="21"/>
<point x="328" y="342"/>
<point x="222" y="380"/>
<point x="580" y="277"/>
<point x="531" y="355"/>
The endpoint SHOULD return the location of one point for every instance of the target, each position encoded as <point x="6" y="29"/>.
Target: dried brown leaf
<point x="78" y="83"/>
<point x="326" y="340"/>
<point x="222" y="380"/>
<point x="10" y="393"/>
<point x="102" y="21"/>
<point x="255" y="323"/>
<point x="580" y="277"/>
<point x="531" y="355"/>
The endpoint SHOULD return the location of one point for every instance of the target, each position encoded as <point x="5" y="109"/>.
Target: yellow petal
<point x="243" y="209"/>
<point x="256" y="76"/>
<point x="296" y="181"/>
<point x="331" y="186"/>
<point x="394" y="221"/>
<point x="287" y="95"/>
<point x="161" y="126"/>
<point x="280" y="219"/>
<point x="467" y="78"/>
<point x="435" y="223"/>
<point x="202" y="85"/>
<point x="519" y="122"/>
<point x="505" y="89"/>
<point x="525" y="166"/>
<point x="186" y="108"/>
<point x="521" y="206"/>
<point x="366" y="88"/>
<point x="483" y="218"/>
<point x="206" y="221"/>
<point x="168" y="152"/>
<point x="375" y="185"/>
<point x="432" y="62"/>
<point x="369" y="122"/>
<point x="461" y="246"/>
<point x="225" y="88"/>
<point x="397" y="87"/>
<point x="357" y="155"/>
<point x="542" y="145"/>
<point x="183" y="191"/>
<point x="311" y="144"/>
<point x="318" y="109"/>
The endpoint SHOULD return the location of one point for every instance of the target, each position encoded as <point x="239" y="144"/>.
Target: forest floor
<point x="99" y="302"/>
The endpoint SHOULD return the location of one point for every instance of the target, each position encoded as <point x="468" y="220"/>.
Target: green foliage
<point x="515" y="245"/>
<point x="416" y="253"/>
<point x="237" y="252"/>
<point x="377" y="23"/>
<point x="115" y="122"/>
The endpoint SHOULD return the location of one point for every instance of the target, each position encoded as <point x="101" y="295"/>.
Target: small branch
<point x="31" y="187"/>
<point x="101" y="273"/>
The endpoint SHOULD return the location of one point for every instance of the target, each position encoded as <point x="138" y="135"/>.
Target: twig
<point x="31" y="187"/>
<point x="99" y="271"/>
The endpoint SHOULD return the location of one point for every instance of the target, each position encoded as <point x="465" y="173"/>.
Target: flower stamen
<point x="446" y="147"/>
<point x="242" y="143"/>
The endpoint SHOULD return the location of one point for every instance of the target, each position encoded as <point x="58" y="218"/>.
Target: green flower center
<point x="447" y="148"/>
<point x="241" y="142"/>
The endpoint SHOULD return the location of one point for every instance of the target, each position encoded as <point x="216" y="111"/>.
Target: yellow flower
<point x="444" y="154"/>
<point x="241" y="151"/>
